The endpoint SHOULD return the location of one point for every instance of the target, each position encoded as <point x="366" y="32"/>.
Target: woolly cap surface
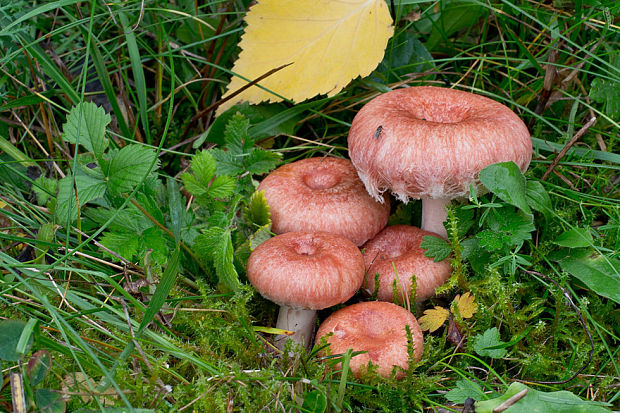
<point x="431" y="142"/>
<point x="306" y="270"/>
<point x="323" y="194"/>
<point x="378" y="328"/>
<point x="395" y="254"/>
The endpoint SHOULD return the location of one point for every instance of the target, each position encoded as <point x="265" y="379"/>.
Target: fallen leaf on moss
<point x="433" y="318"/>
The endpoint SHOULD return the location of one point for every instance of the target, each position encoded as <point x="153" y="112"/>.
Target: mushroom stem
<point x="434" y="214"/>
<point x="300" y="321"/>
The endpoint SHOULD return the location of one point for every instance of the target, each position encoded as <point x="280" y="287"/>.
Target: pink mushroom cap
<point x="323" y="194"/>
<point x="377" y="328"/>
<point x="395" y="254"/>
<point x="306" y="270"/>
<point x="431" y="142"/>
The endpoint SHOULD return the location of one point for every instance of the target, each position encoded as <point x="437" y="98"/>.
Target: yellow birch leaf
<point x="466" y="305"/>
<point x="433" y="318"/>
<point x="326" y="42"/>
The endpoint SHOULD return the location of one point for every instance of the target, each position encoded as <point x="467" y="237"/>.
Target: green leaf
<point x="125" y="244"/>
<point x="507" y="182"/>
<point x="89" y="187"/>
<point x="216" y="244"/>
<point x="489" y="338"/>
<point x="227" y="163"/>
<point x="515" y="226"/>
<point x="257" y="211"/>
<point x="38" y="366"/>
<point x="574" y="238"/>
<point x="193" y="185"/>
<point x="314" y="402"/>
<point x="203" y="166"/>
<point x="437" y="248"/>
<point x="260" y="235"/>
<point x="129" y="166"/>
<point x="236" y="134"/>
<point x="490" y="240"/>
<point x="453" y="17"/>
<point x="86" y="125"/>
<point x="260" y="161"/>
<point x="537" y="401"/>
<point x="601" y="274"/>
<point x="10" y="331"/>
<point x="222" y="187"/>
<point x="49" y="401"/>
<point x="464" y="390"/>
<point x="538" y="198"/>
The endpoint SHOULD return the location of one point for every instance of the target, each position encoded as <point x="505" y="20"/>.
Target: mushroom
<point x="379" y="328"/>
<point x="303" y="272"/>
<point x="323" y="194"/>
<point x="395" y="255"/>
<point x="430" y="143"/>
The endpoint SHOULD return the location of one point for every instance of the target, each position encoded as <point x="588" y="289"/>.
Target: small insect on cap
<point x="431" y="142"/>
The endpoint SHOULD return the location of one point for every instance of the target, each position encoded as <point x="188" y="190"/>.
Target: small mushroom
<point x="395" y="255"/>
<point x="433" y="143"/>
<point x="379" y="329"/>
<point x="303" y="272"/>
<point x="323" y="194"/>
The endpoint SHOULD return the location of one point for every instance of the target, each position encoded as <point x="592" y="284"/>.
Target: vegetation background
<point x="131" y="296"/>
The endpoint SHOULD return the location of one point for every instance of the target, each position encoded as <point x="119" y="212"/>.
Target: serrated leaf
<point x="328" y="44"/>
<point x="507" y="182"/>
<point x="260" y="161"/>
<point x="466" y="305"/>
<point x="236" y="134"/>
<point x="203" y="166"/>
<point x="192" y="185"/>
<point x="433" y="318"/>
<point x="260" y="235"/>
<point x="574" y="238"/>
<point x="125" y="244"/>
<point x="89" y="187"/>
<point x="464" y="390"/>
<point x="601" y="274"/>
<point x="216" y="244"/>
<point x="257" y="211"/>
<point x="227" y="163"/>
<point x="222" y="187"/>
<point x="538" y="401"/>
<point x="437" y="248"/>
<point x="489" y="338"/>
<point x="129" y="166"/>
<point x="515" y="226"/>
<point x="86" y="123"/>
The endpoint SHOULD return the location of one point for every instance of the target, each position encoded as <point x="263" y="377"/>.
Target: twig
<point x="566" y="147"/>
<point x="511" y="401"/>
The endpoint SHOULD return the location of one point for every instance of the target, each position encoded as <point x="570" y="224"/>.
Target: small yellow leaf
<point x="466" y="305"/>
<point x="326" y="42"/>
<point x="433" y="318"/>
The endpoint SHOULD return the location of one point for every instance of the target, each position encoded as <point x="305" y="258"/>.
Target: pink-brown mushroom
<point x="379" y="328"/>
<point x="303" y="272"/>
<point x="430" y="143"/>
<point x="323" y="194"/>
<point x="395" y="255"/>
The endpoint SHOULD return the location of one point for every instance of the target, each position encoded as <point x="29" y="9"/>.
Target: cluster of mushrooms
<point x="331" y="214"/>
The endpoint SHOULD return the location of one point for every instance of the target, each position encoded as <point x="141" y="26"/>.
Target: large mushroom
<point x="379" y="329"/>
<point x="395" y="255"/>
<point x="303" y="272"/>
<point x="323" y="194"/>
<point x="430" y="143"/>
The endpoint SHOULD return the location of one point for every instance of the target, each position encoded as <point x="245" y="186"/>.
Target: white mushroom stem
<point x="300" y="321"/>
<point x="434" y="214"/>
